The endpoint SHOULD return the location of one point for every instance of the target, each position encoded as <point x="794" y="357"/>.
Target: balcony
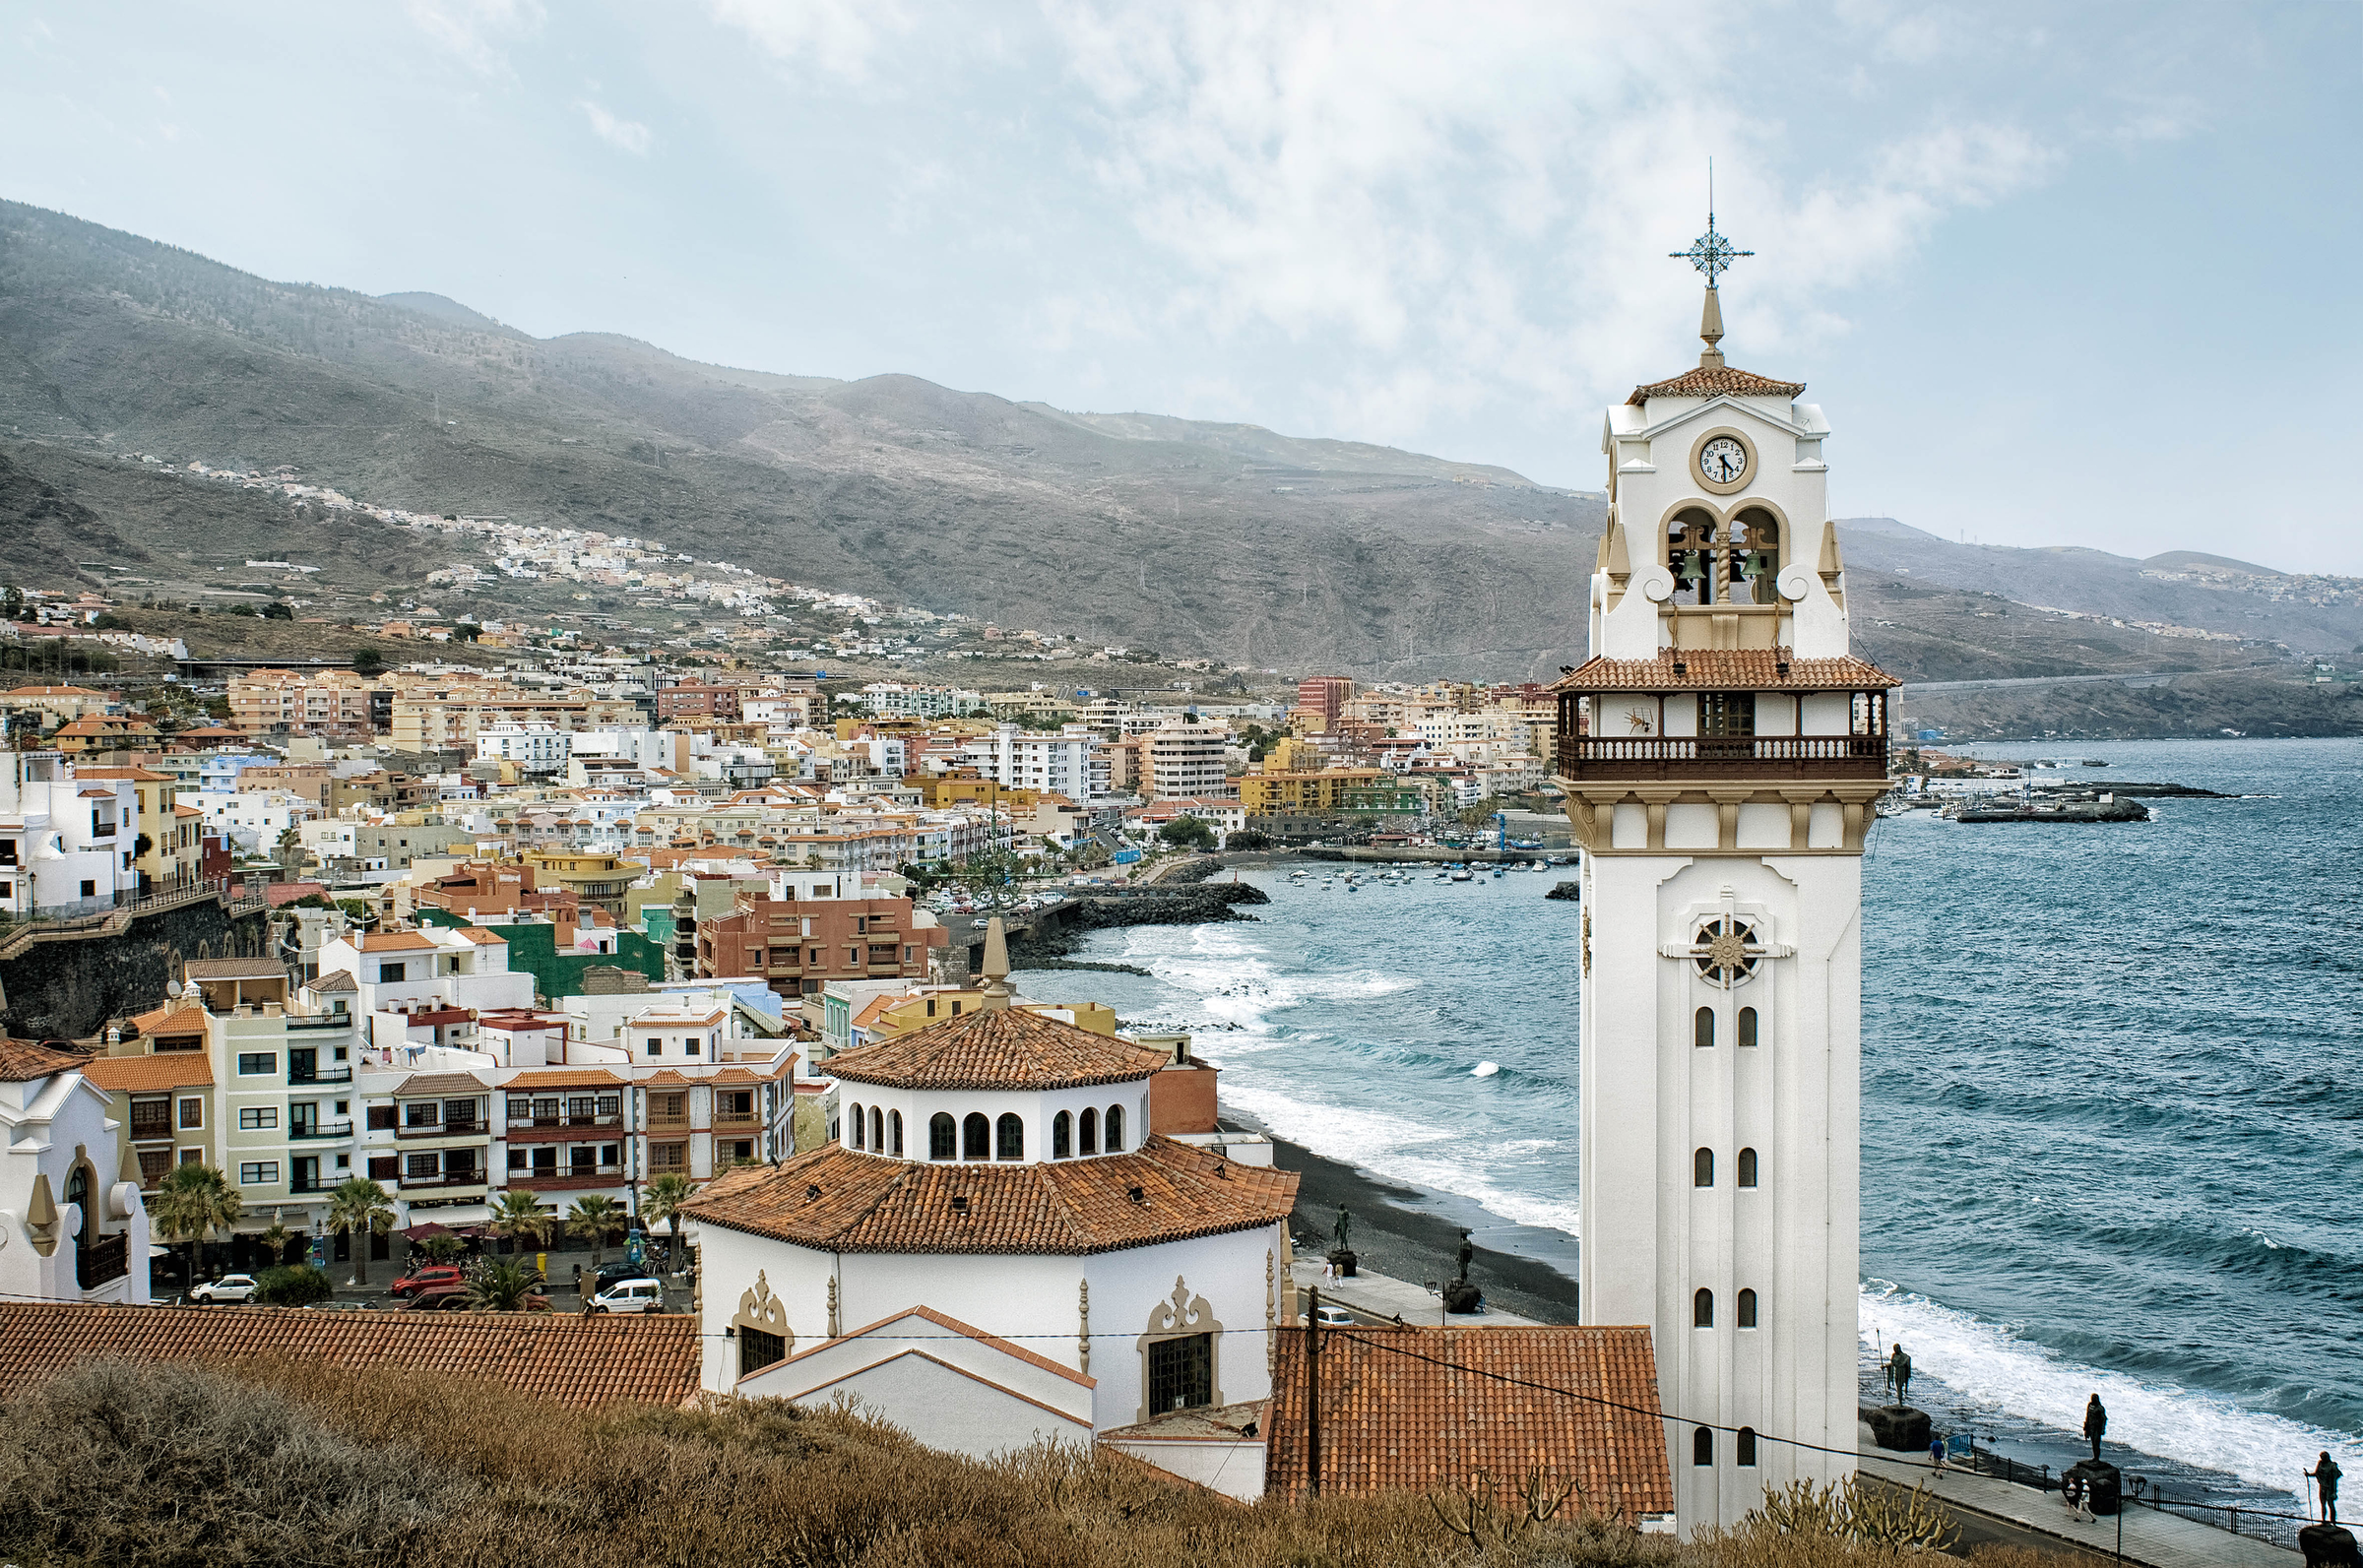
<point x="735" y="1119"/>
<point x="329" y="1075"/>
<point x="448" y="1129"/>
<point x="103" y="1260"/>
<point x="1586" y="759"/>
<point x="472" y="1178"/>
<point x="567" y="1180"/>
<point x="547" y="1129"/>
<point x="679" y="1123"/>
<point x="320" y="1129"/>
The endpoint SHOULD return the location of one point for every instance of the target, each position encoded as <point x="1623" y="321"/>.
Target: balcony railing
<point x="564" y="1180"/>
<point x="1583" y="757"/>
<point x="472" y="1178"/>
<point x="321" y="1129"/>
<point x="519" y="1122"/>
<point x="735" y="1119"/>
<point x="321" y="1075"/>
<point x="447" y="1129"/>
<point x="679" y="1123"/>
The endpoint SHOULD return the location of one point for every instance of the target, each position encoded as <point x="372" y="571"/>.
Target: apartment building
<point x="533" y="750"/>
<point x="895" y="699"/>
<point x="67" y="843"/>
<point x="1305" y="793"/>
<point x="433" y="720"/>
<point x="335" y="704"/>
<point x="1324" y="695"/>
<point x="797" y="945"/>
<point x="1074" y="762"/>
<point x="1186" y="759"/>
<point x="252" y="819"/>
<point x="168" y="838"/>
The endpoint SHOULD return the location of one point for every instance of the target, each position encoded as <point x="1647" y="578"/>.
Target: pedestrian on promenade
<point x="2096" y="1421"/>
<point x="2326" y="1475"/>
<point x="1936" y="1450"/>
<point x="2072" y="1492"/>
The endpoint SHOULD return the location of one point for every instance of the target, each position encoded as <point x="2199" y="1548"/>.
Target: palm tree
<point x="594" y="1216"/>
<point x="192" y="1201"/>
<point x="661" y="1200"/>
<point x="274" y="1240"/>
<point x="503" y="1285"/>
<point x="520" y="1217"/>
<point x="442" y="1249"/>
<point x="359" y="1208"/>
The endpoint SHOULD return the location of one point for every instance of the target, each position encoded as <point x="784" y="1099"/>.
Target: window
<point x="655" y="1048"/>
<point x="155" y="1165"/>
<point x="1747" y="1029"/>
<point x="1063" y="1136"/>
<point x="519" y="1160"/>
<point x="1087" y="1128"/>
<point x="257" y="1064"/>
<point x="1181" y="1372"/>
<point x="387" y="973"/>
<point x="1746" y="1167"/>
<point x="1703" y="1168"/>
<point x="1116" y="1129"/>
<point x="255" y="1117"/>
<point x="459" y="1165"/>
<point x="691" y="1046"/>
<point x="422" y="1167"/>
<point x="758" y="1349"/>
<point x="151" y="1118"/>
<point x="1702" y="1028"/>
<point x="1744" y="1447"/>
<point x="861" y="1126"/>
<point x="1702" y="1446"/>
<point x="90" y="890"/>
<point x="381" y="1118"/>
<point x="1703" y="1309"/>
<point x="877" y="1131"/>
<point x="894" y="1132"/>
<point x="1727" y="713"/>
<point x="942" y="1136"/>
<point x="1747" y="1307"/>
<point x="422" y="1113"/>
<point x="976" y="1137"/>
<point x="1010" y="1136"/>
<point x="258" y="1173"/>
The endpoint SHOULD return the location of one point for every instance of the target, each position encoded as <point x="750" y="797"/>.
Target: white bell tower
<point x="1720" y="751"/>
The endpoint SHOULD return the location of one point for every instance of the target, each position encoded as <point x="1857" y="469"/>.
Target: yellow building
<point x="941" y="792"/>
<point x="169" y="838"/>
<point x="1304" y="794"/>
<point x="591" y="876"/>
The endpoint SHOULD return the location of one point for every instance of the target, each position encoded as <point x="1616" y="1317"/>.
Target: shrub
<point x="296" y="1286"/>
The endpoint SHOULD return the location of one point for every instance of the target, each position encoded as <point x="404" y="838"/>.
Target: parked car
<point x="1333" y="1317"/>
<point x="229" y="1288"/>
<point x="630" y="1296"/>
<point x="615" y="1273"/>
<point x="428" y="1276"/>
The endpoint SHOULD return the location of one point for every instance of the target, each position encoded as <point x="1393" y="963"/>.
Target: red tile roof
<point x="182" y="1016"/>
<point x="1716" y="669"/>
<point x="871" y="1202"/>
<point x="1714" y="381"/>
<point x="563" y="1078"/>
<point x="1417" y="1408"/>
<point x="439" y="1084"/>
<point x="557" y="1356"/>
<point x="21" y="1060"/>
<point x="1000" y="1048"/>
<point x="145" y="1074"/>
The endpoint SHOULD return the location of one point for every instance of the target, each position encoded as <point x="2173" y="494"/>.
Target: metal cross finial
<point x="1711" y="252"/>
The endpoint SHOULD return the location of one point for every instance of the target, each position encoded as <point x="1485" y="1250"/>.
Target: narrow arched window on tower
<point x="1010" y="1136"/>
<point x="894" y="1132"/>
<point x="877" y="1131"/>
<point x="1087" y="1132"/>
<point x="943" y="1137"/>
<point x="1746" y="1310"/>
<point x="1703" y="1168"/>
<point x="1746" y="1167"/>
<point x="1746" y="1028"/>
<point x="1702" y="1027"/>
<point x="1116" y="1129"/>
<point x="1703" y="1309"/>
<point x="858" y="1123"/>
<point x="976" y="1135"/>
<point x="1702" y="1446"/>
<point x="1744" y="1447"/>
<point x="1063" y="1136"/>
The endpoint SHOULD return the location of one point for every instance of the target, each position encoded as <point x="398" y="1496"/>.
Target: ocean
<point x="2112" y="1096"/>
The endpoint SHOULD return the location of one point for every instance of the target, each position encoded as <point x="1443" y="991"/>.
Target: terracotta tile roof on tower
<point x="571" y="1360"/>
<point x="1716" y="381"/>
<point x="1415" y="1408"/>
<point x="999" y="1048"/>
<point x="179" y="1017"/>
<point x="21" y="1060"/>
<point x="1713" y="670"/>
<point x="872" y="1203"/>
<point x="145" y="1074"/>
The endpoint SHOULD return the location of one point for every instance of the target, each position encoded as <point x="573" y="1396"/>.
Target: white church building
<point x="994" y="1249"/>
<point x="1720" y="752"/>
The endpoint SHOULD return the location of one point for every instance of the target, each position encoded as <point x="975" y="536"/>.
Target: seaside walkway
<point x="2155" y="1537"/>
<point x="1378" y="1298"/>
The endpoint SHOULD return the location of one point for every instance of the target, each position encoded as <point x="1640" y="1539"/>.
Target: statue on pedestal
<point x="1341" y="1247"/>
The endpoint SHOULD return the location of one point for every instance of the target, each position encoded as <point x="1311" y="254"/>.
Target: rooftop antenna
<point x="1712" y="254"/>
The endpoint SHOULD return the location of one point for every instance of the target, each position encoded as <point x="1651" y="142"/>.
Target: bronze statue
<point x="1900" y="1373"/>
<point x="1338" y="1235"/>
<point x="1466" y="1253"/>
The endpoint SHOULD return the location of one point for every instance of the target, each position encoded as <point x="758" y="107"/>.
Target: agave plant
<point x="504" y="1285"/>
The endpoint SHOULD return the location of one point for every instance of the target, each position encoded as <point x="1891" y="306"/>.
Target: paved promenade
<point x="2158" y="1539"/>
<point x="1380" y="1298"/>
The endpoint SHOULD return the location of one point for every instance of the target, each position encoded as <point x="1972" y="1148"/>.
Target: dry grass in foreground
<point x="186" y="1466"/>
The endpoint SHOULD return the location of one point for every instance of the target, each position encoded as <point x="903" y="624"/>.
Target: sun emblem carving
<point x="1726" y="949"/>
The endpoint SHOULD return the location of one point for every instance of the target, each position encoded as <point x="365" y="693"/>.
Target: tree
<point x="505" y="1284"/>
<point x="191" y="1201"/>
<point x="661" y="1200"/>
<point x="290" y="852"/>
<point x="594" y="1216"/>
<point x="1248" y="839"/>
<point x="368" y="661"/>
<point x="1187" y="832"/>
<point x="295" y="1287"/>
<point x="520" y="1217"/>
<point x="11" y="601"/>
<point x="442" y="1248"/>
<point x="274" y="1240"/>
<point x="279" y="611"/>
<point x="361" y="1209"/>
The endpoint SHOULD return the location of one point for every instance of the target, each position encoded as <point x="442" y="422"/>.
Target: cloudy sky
<point x="2032" y="258"/>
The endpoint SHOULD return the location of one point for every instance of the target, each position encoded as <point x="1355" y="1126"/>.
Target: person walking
<point x="2096" y="1421"/>
<point x="2073" y="1492"/>
<point x="1936" y="1450"/>
<point x="2326" y="1473"/>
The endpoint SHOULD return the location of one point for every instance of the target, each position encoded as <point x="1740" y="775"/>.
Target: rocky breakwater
<point x="1054" y="935"/>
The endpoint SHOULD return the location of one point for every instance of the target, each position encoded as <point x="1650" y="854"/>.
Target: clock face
<point x="1722" y="461"/>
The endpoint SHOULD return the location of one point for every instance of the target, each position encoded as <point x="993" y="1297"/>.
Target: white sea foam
<point x="1988" y="1364"/>
<point x="1484" y="1069"/>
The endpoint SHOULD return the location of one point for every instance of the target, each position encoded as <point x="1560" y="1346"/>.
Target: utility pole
<point x="1312" y="1389"/>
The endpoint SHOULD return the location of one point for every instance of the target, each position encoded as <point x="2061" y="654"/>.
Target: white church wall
<point x="1233" y="1468"/>
<point x="1129" y="1285"/>
<point x="1693" y="825"/>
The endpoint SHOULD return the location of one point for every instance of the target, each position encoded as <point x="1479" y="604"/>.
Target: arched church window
<point x="1010" y="1136"/>
<point x="1702" y="1027"/>
<point x="1116" y="1129"/>
<point x="1747" y="1172"/>
<point x="859" y="1124"/>
<point x="1703" y="1309"/>
<point x="976" y="1135"/>
<point x="877" y="1131"/>
<point x="1063" y="1136"/>
<point x="1087" y="1130"/>
<point x="1746" y="1310"/>
<point x="1744" y="1447"/>
<point x="1703" y="1168"/>
<point x="1691" y="557"/>
<point x="943" y="1137"/>
<point x="1702" y="1445"/>
<point x="894" y="1131"/>
<point x="1746" y="1028"/>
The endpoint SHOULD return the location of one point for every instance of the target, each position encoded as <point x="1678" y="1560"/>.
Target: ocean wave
<point x="1988" y="1364"/>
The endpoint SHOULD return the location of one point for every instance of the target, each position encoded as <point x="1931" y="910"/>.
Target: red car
<point x="430" y="1277"/>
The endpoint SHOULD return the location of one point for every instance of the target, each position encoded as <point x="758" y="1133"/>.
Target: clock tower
<point x="1720" y="751"/>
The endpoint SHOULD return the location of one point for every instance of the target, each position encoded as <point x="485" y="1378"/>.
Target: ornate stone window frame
<point x="1177" y="1317"/>
<point x="762" y="1312"/>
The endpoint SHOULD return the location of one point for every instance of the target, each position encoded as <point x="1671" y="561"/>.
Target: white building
<point x="532" y="748"/>
<point x="893" y="699"/>
<point x="1070" y="763"/>
<point x="72" y="1225"/>
<point x="1722" y="748"/>
<point x="993" y="1251"/>
<point x="1186" y="759"/>
<point x="251" y="819"/>
<point x="422" y="988"/>
<point x="66" y="844"/>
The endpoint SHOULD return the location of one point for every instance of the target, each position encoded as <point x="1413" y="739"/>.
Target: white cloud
<point x="629" y="135"/>
<point x="474" y="31"/>
<point x="839" y="37"/>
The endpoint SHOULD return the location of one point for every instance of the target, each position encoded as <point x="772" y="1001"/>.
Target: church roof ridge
<point x="1710" y="381"/>
<point x="1719" y="668"/>
<point x="990" y="1049"/>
